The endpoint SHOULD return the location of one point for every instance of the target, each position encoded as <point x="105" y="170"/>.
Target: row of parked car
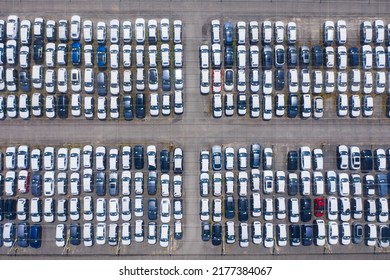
<point x="316" y="83"/>
<point x="88" y="157"/>
<point x="343" y="208"/>
<point x="13" y="29"/>
<point x="51" y="209"/>
<point x="101" y="233"/>
<point x="280" y="235"/>
<point x="23" y="235"/>
<point x="306" y="183"/>
<point x="113" y="107"/>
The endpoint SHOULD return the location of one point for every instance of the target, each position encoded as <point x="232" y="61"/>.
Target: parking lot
<point x="197" y="130"/>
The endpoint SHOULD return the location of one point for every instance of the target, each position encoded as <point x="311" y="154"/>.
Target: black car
<point x="366" y="161"/>
<point x="228" y="33"/>
<point x="295" y="235"/>
<point x="217" y="234"/>
<point x="75" y="234"/>
<point x="229" y="77"/>
<point x="38" y="51"/>
<point x="102" y="83"/>
<point x="304" y="56"/>
<point x="229" y="207"/>
<point x="10" y="209"/>
<point x="292" y="105"/>
<point x="113" y="188"/>
<point x="229" y="56"/>
<point x="140" y="106"/>
<point x="152" y="183"/>
<point x="292" y="57"/>
<point x="139" y="157"/>
<point x="166" y="80"/>
<point x="100" y="183"/>
<point x="307" y="235"/>
<point x="381" y="184"/>
<point x="305" y="205"/>
<point x="152" y="209"/>
<point x="164" y="161"/>
<point x="205" y="231"/>
<point x="62" y="106"/>
<point x="255" y="153"/>
<point x="36" y="184"/>
<point x="279" y="79"/>
<point x="388" y="114"/>
<point x="292" y="186"/>
<point x="23" y="232"/>
<point x="279" y="57"/>
<point x="353" y="57"/>
<point x="1" y="209"/>
<point x="25" y="80"/>
<point x="266" y="58"/>
<point x="357" y="233"/>
<point x="128" y="108"/>
<point x="35" y="236"/>
<point x="292" y="161"/>
<point x="383" y="234"/>
<point x="242" y="209"/>
<point x="317" y="56"/>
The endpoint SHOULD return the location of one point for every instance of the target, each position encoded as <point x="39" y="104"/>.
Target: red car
<point x="319" y="206"/>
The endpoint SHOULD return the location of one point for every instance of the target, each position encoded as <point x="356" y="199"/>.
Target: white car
<point x="88" y="31"/>
<point x="114" y="107"/>
<point x="267" y="82"/>
<point x="305" y="81"/>
<point x="355" y="80"/>
<point x="380" y="82"/>
<point x="102" y="108"/>
<point x="355" y="106"/>
<point x="268" y="235"/>
<point x="342" y="82"/>
<point x="88" y="55"/>
<point x="379" y="34"/>
<point x="165" y="30"/>
<point x="165" y="212"/>
<point x="127" y="31"/>
<point x="328" y="32"/>
<point x="62" y="84"/>
<point x="114" y="56"/>
<point x="24" y="106"/>
<point x="367" y="57"/>
<point x="75" y="159"/>
<point x="333" y="233"/>
<point x="343" y="184"/>
<point x="74" y="209"/>
<point x="291" y="32"/>
<point x="114" y="31"/>
<point x="279" y="32"/>
<point x="293" y="81"/>
<point x="101" y="233"/>
<point x="317" y="82"/>
<point x="48" y="183"/>
<point x="101" y="32"/>
<point x="341" y="32"/>
<point x="138" y="183"/>
<point x="101" y="211"/>
<point x="114" y="209"/>
<point x="342" y="105"/>
<point x="75" y="27"/>
<point x="24" y="57"/>
<point x="368" y="106"/>
<point x="140" y="30"/>
<point x="380" y="57"/>
<point x="60" y="235"/>
<point x="368" y="82"/>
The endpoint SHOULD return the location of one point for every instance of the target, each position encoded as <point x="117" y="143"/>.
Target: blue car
<point x="102" y="56"/>
<point x="23" y="235"/>
<point x="228" y="33"/>
<point x="35" y="236"/>
<point x="76" y="53"/>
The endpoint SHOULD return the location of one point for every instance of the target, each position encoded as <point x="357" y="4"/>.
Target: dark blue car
<point x="36" y="184"/>
<point x="228" y="33"/>
<point x="76" y="53"/>
<point x="35" y="236"/>
<point x="102" y="56"/>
